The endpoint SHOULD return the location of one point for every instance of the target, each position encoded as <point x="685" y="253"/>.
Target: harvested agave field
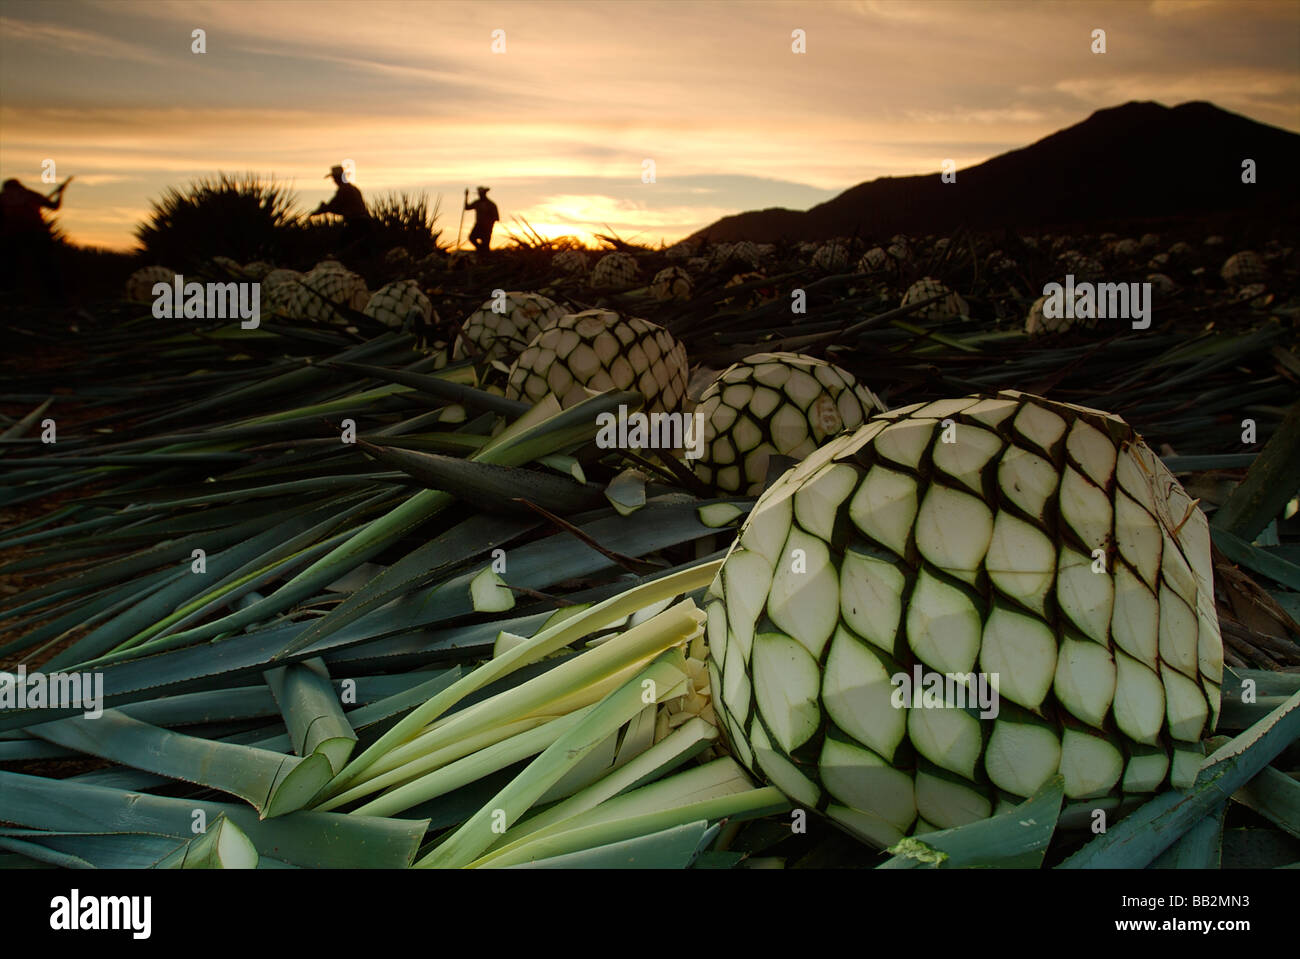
<point x="715" y="556"/>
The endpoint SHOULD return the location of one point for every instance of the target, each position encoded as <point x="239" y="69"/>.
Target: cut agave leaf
<point x="720" y="514"/>
<point x="489" y="592"/>
<point x="673" y="848"/>
<point x="312" y="712"/>
<point x="222" y="846"/>
<point x="320" y="840"/>
<point x="272" y="783"/>
<point x="1275" y="796"/>
<point x="626" y="491"/>
<point x="477" y="833"/>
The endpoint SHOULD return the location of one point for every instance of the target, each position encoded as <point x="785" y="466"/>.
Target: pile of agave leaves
<point x="351" y="680"/>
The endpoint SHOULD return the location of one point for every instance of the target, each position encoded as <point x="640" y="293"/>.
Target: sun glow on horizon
<point x="562" y="120"/>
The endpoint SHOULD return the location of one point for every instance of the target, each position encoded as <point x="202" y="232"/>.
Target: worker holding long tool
<point x="485" y="217"/>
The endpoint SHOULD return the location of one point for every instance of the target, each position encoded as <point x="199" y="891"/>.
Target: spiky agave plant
<point x="242" y="215"/>
<point x="407" y="221"/>
<point x="769" y="404"/>
<point x="1038" y="543"/>
<point x="601" y="350"/>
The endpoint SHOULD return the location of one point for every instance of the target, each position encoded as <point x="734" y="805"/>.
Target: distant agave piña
<point x="769" y="404"/>
<point x="833" y="256"/>
<point x="601" y="350"/>
<point x="501" y="328"/>
<point x="671" y="283"/>
<point x="139" y="285"/>
<point x="951" y="306"/>
<point x="570" y="262"/>
<point x="1038" y="322"/>
<point x="1243" y="269"/>
<point x="748" y="253"/>
<point x="398" y="303"/>
<point x="614" y="271"/>
<point x="328" y="284"/>
<point x="1041" y="544"/>
<point x="280" y="289"/>
<point x="872" y="260"/>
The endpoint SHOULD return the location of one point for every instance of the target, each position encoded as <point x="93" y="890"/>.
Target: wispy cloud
<point x="1238" y="85"/>
<point x="561" y="122"/>
<point x="46" y="37"/>
<point x="1181" y="8"/>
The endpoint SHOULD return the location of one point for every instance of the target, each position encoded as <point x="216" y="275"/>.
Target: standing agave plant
<point x="1041" y="543"/>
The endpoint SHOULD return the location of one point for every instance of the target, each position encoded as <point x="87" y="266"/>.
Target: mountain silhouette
<point x="1135" y="162"/>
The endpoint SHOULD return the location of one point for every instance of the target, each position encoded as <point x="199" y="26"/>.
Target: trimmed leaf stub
<point x="913" y="848"/>
<point x="489" y="593"/>
<point x="717" y="515"/>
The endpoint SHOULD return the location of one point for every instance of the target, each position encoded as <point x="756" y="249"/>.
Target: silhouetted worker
<point x="27" y="246"/>
<point x="485" y="217"/>
<point x="348" y="204"/>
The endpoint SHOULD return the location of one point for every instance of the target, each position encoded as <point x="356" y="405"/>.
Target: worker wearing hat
<point x="347" y="203"/>
<point x="485" y="217"/>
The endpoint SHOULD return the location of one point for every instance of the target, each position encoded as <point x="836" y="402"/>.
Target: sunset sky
<point x="560" y="123"/>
